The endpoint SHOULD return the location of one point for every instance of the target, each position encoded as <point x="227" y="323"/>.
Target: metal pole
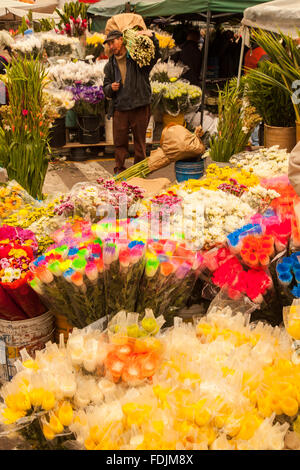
<point x="204" y="71"/>
<point x="241" y="56"/>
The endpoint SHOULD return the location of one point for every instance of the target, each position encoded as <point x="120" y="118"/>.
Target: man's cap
<point x="115" y="34"/>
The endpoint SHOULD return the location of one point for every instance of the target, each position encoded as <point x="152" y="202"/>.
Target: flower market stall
<point x="99" y="350"/>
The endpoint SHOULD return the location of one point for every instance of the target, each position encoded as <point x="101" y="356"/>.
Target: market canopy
<point x="278" y="15"/>
<point x="153" y="8"/>
<point x="15" y="7"/>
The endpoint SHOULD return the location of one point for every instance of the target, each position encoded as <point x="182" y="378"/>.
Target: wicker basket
<point x="285" y="137"/>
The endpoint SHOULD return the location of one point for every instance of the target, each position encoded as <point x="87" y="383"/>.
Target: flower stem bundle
<point x="139" y="46"/>
<point x="24" y="131"/>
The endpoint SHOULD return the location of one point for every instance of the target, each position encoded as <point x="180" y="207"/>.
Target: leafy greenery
<point x="24" y="131"/>
<point x="284" y="53"/>
<point x="272" y="102"/>
<point x="236" y="123"/>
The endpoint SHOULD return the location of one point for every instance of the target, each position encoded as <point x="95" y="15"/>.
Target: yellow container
<point x="168" y="119"/>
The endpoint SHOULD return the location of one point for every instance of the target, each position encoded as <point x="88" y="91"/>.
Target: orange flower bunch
<point x="10" y="201"/>
<point x="132" y="360"/>
<point x="257" y="250"/>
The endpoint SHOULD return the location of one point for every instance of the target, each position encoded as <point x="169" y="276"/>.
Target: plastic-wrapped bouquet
<point x="66" y="73"/>
<point x="59" y="102"/>
<point x="124" y="262"/>
<point x="28" y="46"/>
<point x="170" y="273"/>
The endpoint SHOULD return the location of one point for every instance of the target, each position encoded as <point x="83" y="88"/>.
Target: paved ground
<point x="62" y="175"/>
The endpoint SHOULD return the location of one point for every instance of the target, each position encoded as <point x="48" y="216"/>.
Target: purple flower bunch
<point x="65" y="207"/>
<point x="89" y="94"/>
<point x="113" y="192"/>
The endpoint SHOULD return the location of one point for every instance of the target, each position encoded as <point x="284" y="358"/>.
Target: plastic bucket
<point x="89" y="129"/>
<point x="31" y="334"/>
<point x="188" y="170"/>
<point x="58" y="133"/>
<point x="285" y="137"/>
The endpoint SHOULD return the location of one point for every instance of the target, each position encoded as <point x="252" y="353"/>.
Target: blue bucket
<point x="188" y="170"/>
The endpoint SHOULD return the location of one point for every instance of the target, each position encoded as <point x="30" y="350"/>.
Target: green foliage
<point x="272" y="102"/>
<point x="24" y="130"/>
<point x="74" y="9"/>
<point x="284" y="53"/>
<point x="235" y="125"/>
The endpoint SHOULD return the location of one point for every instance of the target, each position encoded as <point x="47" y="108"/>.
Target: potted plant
<point x="273" y="104"/>
<point x="284" y="53"/>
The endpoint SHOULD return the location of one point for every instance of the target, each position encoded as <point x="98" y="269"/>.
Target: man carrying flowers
<point x="128" y="86"/>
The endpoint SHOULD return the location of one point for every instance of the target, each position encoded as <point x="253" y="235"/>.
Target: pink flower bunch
<point x="9" y="234"/>
<point x="65" y="207"/>
<point x="234" y="188"/>
<point x="254" y="282"/>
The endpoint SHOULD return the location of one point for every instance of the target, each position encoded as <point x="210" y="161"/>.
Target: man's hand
<point x="115" y="86"/>
<point x="146" y="32"/>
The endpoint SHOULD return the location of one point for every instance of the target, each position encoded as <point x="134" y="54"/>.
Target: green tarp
<point x="154" y="8"/>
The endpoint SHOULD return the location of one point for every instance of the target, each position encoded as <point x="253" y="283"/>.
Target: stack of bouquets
<point x="58" y="44"/>
<point x="265" y="162"/>
<point x="124" y="262"/>
<point x="288" y="272"/>
<point x="218" y="384"/>
<point x="18" y="301"/>
<point x="69" y="278"/>
<point x="65" y="73"/>
<point x="28" y="46"/>
<point x="14" y="198"/>
<point x="170" y="273"/>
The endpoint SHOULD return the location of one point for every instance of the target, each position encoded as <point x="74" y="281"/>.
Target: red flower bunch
<point x="257" y="250"/>
<point x="254" y="282"/>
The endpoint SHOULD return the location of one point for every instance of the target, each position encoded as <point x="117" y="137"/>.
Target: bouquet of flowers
<point x="9" y="234"/>
<point x="175" y="98"/>
<point x="13" y="198"/>
<point x="69" y="277"/>
<point x="124" y="263"/>
<point x="29" y="46"/>
<point x="58" y="102"/>
<point x="139" y="46"/>
<point x="75" y="27"/>
<point x="14" y="275"/>
<point x="166" y="42"/>
<point x="65" y="73"/>
<point x="89" y="100"/>
<point x="265" y="162"/>
<point x="94" y="44"/>
<point x="169" y="277"/>
<point x="58" y="44"/>
<point x="165" y="72"/>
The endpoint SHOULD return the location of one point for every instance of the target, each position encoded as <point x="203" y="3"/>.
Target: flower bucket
<point x="297" y="131"/>
<point x="168" y="119"/>
<point x="62" y="327"/>
<point x="188" y="170"/>
<point x="31" y="334"/>
<point x="285" y="137"/>
<point x="89" y="129"/>
<point x="58" y="133"/>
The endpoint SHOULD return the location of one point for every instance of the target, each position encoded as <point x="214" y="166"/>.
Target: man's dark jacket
<point x="136" y="90"/>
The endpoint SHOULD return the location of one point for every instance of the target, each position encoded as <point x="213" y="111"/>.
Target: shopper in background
<point x="128" y="87"/>
<point x="253" y="56"/>
<point x="191" y="56"/>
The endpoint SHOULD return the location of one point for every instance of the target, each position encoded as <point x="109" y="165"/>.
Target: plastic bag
<point x="223" y="301"/>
